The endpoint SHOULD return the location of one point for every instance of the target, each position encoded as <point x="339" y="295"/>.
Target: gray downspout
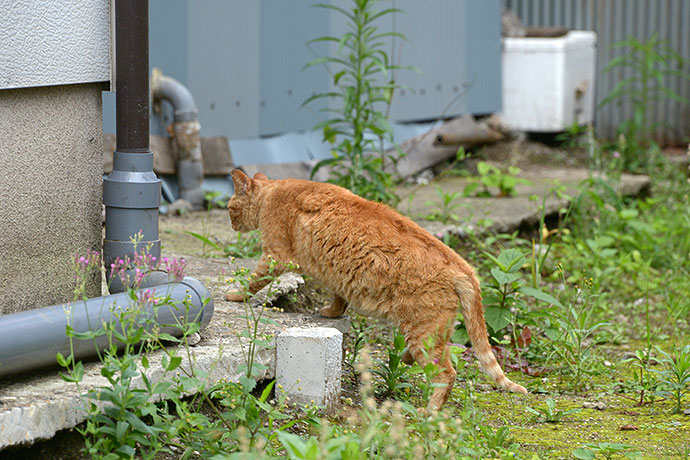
<point x="186" y="135"/>
<point x="33" y="337"/>
<point x="131" y="192"/>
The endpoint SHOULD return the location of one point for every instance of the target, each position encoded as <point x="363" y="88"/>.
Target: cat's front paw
<point x="234" y="297"/>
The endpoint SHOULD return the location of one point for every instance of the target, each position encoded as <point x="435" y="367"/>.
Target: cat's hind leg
<point x="433" y="347"/>
<point x="407" y="357"/>
<point x="337" y="308"/>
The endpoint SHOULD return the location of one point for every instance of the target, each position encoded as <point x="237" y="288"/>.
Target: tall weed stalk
<point x="650" y="63"/>
<point x="363" y="81"/>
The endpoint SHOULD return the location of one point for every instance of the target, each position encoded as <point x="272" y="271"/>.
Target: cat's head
<point x="243" y="207"/>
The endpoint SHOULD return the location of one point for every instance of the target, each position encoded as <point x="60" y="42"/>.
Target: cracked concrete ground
<point x="36" y="406"/>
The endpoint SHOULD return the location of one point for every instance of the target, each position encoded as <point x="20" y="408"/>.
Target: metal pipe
<point x="132" y="75"/>
<point x="168" y="89"/>
<point x="131" y="192"/>
<point x="23" y="349"/>
<point x="186" y="135"/>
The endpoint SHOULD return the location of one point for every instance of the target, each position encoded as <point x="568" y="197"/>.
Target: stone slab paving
<point x="505" y="213"/>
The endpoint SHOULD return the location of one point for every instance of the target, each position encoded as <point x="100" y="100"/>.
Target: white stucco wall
<point x="53" y="42"/>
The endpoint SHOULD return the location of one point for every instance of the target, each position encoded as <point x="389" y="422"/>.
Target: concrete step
<point x="506" y="214"/>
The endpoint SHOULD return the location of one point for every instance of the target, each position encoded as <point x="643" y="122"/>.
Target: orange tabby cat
<point x="371" y="257"/>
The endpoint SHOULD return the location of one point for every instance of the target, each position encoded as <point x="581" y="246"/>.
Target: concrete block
<point x="309" y="364"/>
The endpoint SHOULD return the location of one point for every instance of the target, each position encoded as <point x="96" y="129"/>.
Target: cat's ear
<point x="260" y="176"/>
<point x="242" y="182"/>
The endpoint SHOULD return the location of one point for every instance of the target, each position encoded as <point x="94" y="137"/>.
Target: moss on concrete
<point x="653" y="429"/>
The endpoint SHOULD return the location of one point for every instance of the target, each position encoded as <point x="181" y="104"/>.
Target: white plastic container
<point x="548" y="83"/>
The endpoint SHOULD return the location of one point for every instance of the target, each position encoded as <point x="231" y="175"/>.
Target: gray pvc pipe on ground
<point x="31" y="339"/>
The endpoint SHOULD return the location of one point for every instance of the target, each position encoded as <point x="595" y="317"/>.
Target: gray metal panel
<point x="302" y="146"/>
<point x="456" y="46"/>
<point x="286" y="148"/>
<point x="483" y="64"/>
<point x="437" y="46"/>
<point x="284" y="53"/>
<point x="243" y="63"/>
<point x="224" y="63"/>
<point x="616" y="20"/>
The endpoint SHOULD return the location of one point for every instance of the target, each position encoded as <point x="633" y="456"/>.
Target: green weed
<point x="650" y="62"/>
<point x="606" y="450"/>
<point x="444" y="207"/>
<point x="393" y="371"/>
<point x="246" y="246"/>
<point x="550" y="414"/>
<point x="492" y="177"/>
<point x="675" y="377"/>
<point x="364" y="82"/>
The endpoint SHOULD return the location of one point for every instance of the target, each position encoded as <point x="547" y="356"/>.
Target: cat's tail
<point x="467" y="288"/>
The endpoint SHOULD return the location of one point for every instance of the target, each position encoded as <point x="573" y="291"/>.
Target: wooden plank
<point x="163" y="155"/>
<point x="215" y="153"/>
<point x="439" y="144"/>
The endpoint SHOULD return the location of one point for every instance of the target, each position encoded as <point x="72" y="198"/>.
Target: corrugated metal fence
<point x="616" y="20"/>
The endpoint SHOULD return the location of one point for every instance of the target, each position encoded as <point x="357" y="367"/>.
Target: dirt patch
<point x="213" y="224"/>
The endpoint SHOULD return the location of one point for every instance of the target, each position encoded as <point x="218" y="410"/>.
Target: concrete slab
<point x="506" y="214"/>
<point x="36" y="406"/>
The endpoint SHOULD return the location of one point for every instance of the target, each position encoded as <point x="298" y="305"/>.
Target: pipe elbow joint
<point x="164" y="88"/>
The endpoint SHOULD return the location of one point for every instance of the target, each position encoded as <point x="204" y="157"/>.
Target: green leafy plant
<point x="396" y="430"/>
<point x="650" y="62"/>
<point x="242" y="419"/>
<point x="646" y="382"/>
<point x="246" y="246"/>
<point x="675" y="377"/>
<point x="504" y="293"/>
<point x="130" y="423"/>
<point x="211" y="199"/>
<point x="550" y="414"/>
<point x="445" y="206"/>
<point x="492" y="177"/>
<point x="430" y="370"/>
<point x="572" y="137"/>
<point x="364" y="82"/>
<point x="573" y="340"/>
<point x="360" y="331"/>
<point x="206" y="242"/>
<point x="497" y="440"/>
<point x="606" y="450"/>
<point x="541" y="250"/>
<point x="393" y="371"/>
<point x="215" y="199"/>
<point x="253" y="337"/>
<point x="125" y="421"/>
